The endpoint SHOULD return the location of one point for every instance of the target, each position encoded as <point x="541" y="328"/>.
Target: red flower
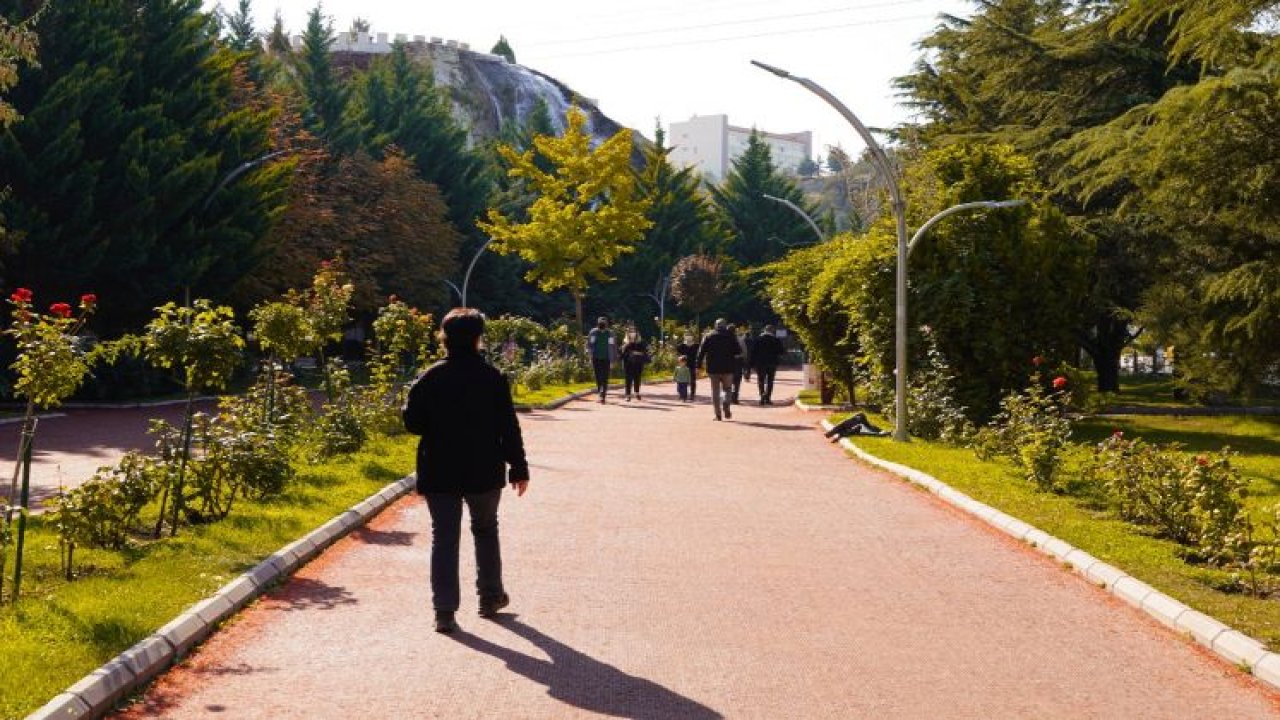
<point x="324" y="264"/>
<point x="62" y="310"/>
<point x="21" y="295"/>
<point x="1059" y="383"/>
<point x="88" y="300"/>
<point x="1117" y="433"/>
<point x="1202" y="461"/>
<point x="1037" y="361"/>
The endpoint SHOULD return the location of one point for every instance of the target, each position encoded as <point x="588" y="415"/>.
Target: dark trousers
<point x="632" y="376"/>
<point x="601" y="368"/>
<point x="721" y="391"/>
<point x="683" y="389"/>
<point x="737" y="382"/>
<point x="764" y="381"/>
<point x="446" y="529"/>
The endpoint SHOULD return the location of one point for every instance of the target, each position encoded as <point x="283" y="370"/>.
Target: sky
<point x="671" y="60"/>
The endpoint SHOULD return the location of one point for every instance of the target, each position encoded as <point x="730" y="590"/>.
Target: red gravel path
<point x="664" y="565"/>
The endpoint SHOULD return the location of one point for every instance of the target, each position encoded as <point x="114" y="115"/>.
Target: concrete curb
<point x="41" y="416"/>
<point x="807" y="407"/>
<point x="1231" y="645"/>
<point x="96" y="693"/>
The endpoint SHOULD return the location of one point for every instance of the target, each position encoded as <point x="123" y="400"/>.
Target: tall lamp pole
<point x="466" y="279"/>
<point x="881" y="162"/>
<point x="899" y="205"/>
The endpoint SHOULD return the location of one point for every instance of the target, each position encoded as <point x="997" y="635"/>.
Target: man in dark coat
<point x="462" y="408"/>
<point x="765" y="354"/>
<point x="720" y="350"/>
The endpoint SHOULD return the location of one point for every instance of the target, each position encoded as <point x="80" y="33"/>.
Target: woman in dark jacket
<point x="635" y="355"/>
<point x="462" y="408"/>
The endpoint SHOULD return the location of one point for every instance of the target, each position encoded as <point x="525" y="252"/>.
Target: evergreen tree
<point x="278" y="38"/>
<point x="132" y="175"/>
<point x="503" y="48"/>
<point x="761" y="230"/>
<point x="325" y="96"/>
<point x="684" y="223"/>
<point x="397" y="104"/>
<point x="239" y="26"/>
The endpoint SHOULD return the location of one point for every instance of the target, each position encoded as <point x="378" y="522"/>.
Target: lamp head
<point x="775" y="70"/>
<point x="1007" y="203"/>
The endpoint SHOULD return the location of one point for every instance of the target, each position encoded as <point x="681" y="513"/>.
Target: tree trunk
<point x="577" y="310"/>
<point x="1105" y="348"/>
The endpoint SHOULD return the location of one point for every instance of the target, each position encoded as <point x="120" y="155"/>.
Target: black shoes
<point x="445" y="622"/>
<point x="728" y="413"/>
<point x="489" y="607"/>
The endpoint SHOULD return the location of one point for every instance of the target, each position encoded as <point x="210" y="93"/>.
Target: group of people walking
<point x="471" y="446"/>
<point x="727" y="357"/>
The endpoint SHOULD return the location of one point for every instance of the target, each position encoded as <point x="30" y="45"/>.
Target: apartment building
<point x="711" y="144"/>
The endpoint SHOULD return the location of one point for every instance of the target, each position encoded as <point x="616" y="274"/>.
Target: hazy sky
<point x="671" y="60"/>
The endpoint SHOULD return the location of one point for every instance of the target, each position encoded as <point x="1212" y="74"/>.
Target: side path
<point x="664" y="565"/>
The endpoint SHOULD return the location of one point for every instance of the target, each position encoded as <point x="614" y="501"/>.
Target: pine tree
<point x="503" y="48"/>
<point x="397" y="104"/>
<point x="761" y="229"/>
<point x="132" y="175"/>
<point x="324" y="95"/>
<point x="241" y="35"/>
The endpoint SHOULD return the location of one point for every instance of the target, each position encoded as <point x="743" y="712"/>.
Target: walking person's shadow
<point x="587" y="683"/>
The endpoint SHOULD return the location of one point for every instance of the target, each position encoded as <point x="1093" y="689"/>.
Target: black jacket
<point x="767" y="351"/>
<point x="462" y="408"/>
<point x="635" y="355"/>
<point x="720" y="350"/>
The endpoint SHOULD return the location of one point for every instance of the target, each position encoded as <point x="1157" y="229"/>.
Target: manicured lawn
<point x="1086" y="523"/>
<point x="61" y="630"/>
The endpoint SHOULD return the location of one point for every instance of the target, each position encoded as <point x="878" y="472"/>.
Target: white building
<point x="711" y="144"/>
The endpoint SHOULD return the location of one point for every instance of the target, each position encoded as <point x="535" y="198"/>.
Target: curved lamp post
<point x="881" y="162"/>
<point x="799" y="211"/>
<point x="466" y="279"/>
<point x="899" y="205"/>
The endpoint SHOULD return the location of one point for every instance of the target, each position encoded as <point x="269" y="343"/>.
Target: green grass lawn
<point x="1089" y="525"/>
<point x="550" y="393"/>
<point x="61" y="630"/>
<point x="1156" y="391"/>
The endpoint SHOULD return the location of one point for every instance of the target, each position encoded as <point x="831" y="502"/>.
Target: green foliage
<point x="932" y="411"/>
<point x="397" y="104"/>
<point x="697" y="281"/>
<point x="104" y="511"/>
<point x="586" y="215"/>
<point x="200" y="343"/>
<point x="1194" y="500"/>
<point x="324" y="95"/>
<point x="760" y="229"/>
<point x="1032" y="430"/>
<point x="503" y="49"/>
<point x="128" y="171"/>
<point x="51" y="363"/>
<point x="17" y="45"/>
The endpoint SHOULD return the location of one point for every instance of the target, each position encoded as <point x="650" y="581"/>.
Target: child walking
<point x="683" y="376"/>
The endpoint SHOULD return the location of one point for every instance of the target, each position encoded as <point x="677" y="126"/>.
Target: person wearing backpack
<point x="603" y="349"/>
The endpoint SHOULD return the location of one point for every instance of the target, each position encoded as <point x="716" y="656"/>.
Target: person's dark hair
<point x="460" y="329"/>
<point x="602" y="322"/>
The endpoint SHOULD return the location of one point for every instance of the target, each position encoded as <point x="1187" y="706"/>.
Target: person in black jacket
<point x="765" y="354"/>
<point x="635" y="355"/>
<point x="462" y="408"/>
<point x="720" y="351"/>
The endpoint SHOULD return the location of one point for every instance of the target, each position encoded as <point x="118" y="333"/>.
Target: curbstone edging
<point x="96" y="693"/>
<point x="1228" y="643"/>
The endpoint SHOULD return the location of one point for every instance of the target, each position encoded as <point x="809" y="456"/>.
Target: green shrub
<point x="1032" y="430"/>
<point x="932" y="410"/>
<point x="105" y="510"/>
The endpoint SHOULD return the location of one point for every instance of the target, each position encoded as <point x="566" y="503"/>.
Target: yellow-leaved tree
<point x="586" y="214"/>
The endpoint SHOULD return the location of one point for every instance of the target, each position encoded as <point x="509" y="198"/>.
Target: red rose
<point x="1059" y="383"/>
<point x="62" y="310"/>
<point x="1037" y="361"/>
<point x="1117" y="433"/>
<point x="1202" y="461"/>
<point x="88" y="300"/>
<point x="21" y="295"/>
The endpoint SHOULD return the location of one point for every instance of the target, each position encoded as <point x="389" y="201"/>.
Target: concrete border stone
<point x="63" y="707"/>
<point x="1228" y="643"/>
<point x="96" y="693"/>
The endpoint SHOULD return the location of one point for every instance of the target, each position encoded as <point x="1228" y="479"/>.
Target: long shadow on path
<point x="584" y="682"/>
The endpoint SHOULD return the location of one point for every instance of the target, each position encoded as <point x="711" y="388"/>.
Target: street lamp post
<point x="799" y="211"/>
<point x="881" y="162"/>
<point x="899" y="205"/>
<point x="466" y="279"/>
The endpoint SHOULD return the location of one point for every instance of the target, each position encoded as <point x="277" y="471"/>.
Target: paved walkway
<point x="72" y="444"/>
<point x="664" y="565"/>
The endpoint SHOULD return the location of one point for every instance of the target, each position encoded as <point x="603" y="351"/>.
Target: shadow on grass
<point x="581" y="681"/>
<point x="776" y="426"/>
<point x="375" y="470"/>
